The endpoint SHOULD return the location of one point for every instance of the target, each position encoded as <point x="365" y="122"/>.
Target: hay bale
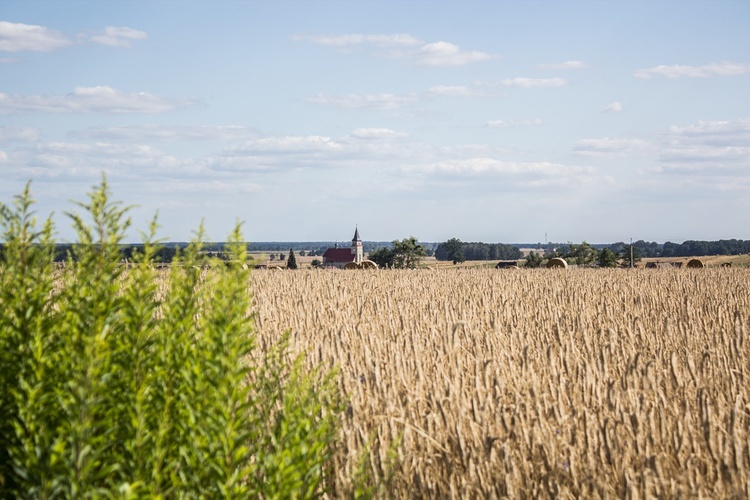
<point x="726" y="264"/>
<point x="351" y="265"/>
<point x="557" y="263"/>
<point x="368" y="264"/>
<point x="695" y="264"/>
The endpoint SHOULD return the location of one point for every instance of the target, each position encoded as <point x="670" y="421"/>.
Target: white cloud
<point x="8" y="60"/>
<point x="447" y="54"/>
<point x="375" y="101"/>
<point x="405" y="40"/>
<point x="705" y="71"/>
<point x="565" y="65"/>
<point x="450" y="90"/>
<point x="289" y="145"/>
<point x="100" y="99"/>
<point x="609" y="147"/>
<point x="161" y="132"/>
<point x="18" y="37"/>
<point x="529" y="83"/>
<point x="16" y="134"/>
<point x="376" y="134"/>
<point x="401" y="46"/>
<point x="514" y="123"/>
<point x="119" y="37"/>
<point x="614" y="107"/>
<point x="712" y="147"/>
<point x="494" y="166"/>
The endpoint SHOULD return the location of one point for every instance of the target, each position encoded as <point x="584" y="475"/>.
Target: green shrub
<point x="137" y="382"/>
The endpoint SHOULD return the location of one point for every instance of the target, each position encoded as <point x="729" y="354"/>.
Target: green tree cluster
<point x="112" y="385"/>
<point x="404" y="254"/>
<point x="458" y="251"/>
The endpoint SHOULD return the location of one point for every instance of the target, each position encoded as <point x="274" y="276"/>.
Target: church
<point x="340" y="257"/>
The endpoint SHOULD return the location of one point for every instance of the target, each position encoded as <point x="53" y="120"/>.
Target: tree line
<point x="458" y="251"/>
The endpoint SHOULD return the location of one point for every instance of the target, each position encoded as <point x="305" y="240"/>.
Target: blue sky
<point x="495" y="121"/>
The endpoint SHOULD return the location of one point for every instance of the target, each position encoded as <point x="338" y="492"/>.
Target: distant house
<point x="340" y="257"/>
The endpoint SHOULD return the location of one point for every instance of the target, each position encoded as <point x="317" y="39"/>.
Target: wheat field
<point x="529" y="383"/>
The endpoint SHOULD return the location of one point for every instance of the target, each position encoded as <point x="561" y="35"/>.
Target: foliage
<point x="382" y="256"/>
<point x="291" y="261"/>
<point x="581" y="255"/>
<point x="607" y="258"/>
<point x="407" y="253"/>
<point x="316" y="263"/>
<point x="630" y="254"/>
<point x="458" y="251"/>
<point x="533" y="260"/>
<point x="123" y="382"/>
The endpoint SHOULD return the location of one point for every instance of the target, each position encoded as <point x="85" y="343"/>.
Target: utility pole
<point x="631" y="252"/>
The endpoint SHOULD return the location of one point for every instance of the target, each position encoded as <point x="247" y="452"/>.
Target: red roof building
<point x="339" y="257"/>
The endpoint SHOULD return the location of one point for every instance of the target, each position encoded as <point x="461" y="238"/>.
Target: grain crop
<point x="530" y="383"/>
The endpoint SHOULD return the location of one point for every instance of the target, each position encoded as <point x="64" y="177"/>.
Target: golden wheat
<point x="540" y="383"/>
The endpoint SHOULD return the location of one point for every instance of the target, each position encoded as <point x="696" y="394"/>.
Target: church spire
<point x="357" y="248"/>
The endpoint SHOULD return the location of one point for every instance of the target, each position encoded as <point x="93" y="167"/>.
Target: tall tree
<point x="407" y="253"/>
<point x="607" y="258"/>
<point x="291" y="262"/>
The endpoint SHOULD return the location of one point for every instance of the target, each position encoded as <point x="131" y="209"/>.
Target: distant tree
<point x="607" y="258"/>
<point x="301" y="253"/>
<point x="582" y="254"/>
<point x="291" y="262"/>
<point x="407" y="253"/>
<point x="382" y="256"/>
<point x="626" y="255"/>
<point x="534" y="259"/>
<point x="450" y="250"/>
<point x="316" y="263"/>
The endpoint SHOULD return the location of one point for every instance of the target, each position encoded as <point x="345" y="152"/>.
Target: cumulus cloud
<point x="450" y="90"/>
<point x="401" y="46"/>
<point x="514" y="123"/>
<point x="565" y="65"/>
<point x="118" y="37"/>
<point x="100" y="99"/>
<point x="17" y="134"/>
<point x="447" y="54"/>
<point x="609" y="147"/>
<point x="349" y="40"/>
<point x="529" y="83"/>
<point x="18" y="37"/>
<point x="705" y="71"/>
<point x="375" y="101"/>
<point x="491" y="165"/>
<point x="376" y="134"/>
<point x="709" y="146"/>
<point x="614" y="107"/>
<point x="162" y="132"/>
<point x="288" y="145"/>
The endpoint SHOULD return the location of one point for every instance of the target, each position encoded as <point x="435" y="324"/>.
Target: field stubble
<point x="476" y="382"/>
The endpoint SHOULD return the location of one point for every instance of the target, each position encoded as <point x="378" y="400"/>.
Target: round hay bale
<point x="695" y="264"/>
<point x="726" y="264"/>
<point x="351" y="265"/>
<point x="368" y="264"/>
<point x="557" y="263"/>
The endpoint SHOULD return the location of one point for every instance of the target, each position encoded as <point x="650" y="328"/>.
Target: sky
<point x="494" y="121"/>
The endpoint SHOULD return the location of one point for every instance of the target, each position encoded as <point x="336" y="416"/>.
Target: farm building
<point x="340" y="257"/>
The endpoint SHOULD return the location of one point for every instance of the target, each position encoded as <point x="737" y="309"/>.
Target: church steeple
<point x="357" y="248"/>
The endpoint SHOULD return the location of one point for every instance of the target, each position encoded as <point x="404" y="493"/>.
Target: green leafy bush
<point x="132" y="381"/>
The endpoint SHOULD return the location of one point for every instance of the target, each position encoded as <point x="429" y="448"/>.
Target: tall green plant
<point x="133" y="381"/>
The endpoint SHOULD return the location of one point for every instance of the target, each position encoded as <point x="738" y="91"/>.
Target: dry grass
<point x="530" y="383"/>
